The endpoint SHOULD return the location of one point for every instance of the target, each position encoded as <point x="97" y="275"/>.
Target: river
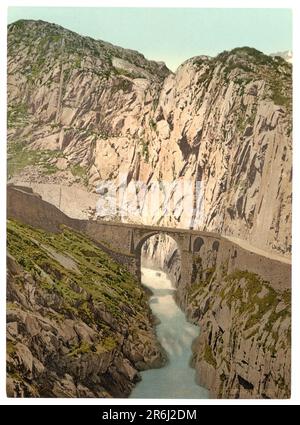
<point x="177" y="378"/>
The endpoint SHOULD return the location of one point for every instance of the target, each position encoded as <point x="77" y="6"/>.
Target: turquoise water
<point x="177" y="378"/>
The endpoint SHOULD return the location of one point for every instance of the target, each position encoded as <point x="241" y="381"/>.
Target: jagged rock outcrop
<point x="78" y="324"/>
<point x="87" y="111"/>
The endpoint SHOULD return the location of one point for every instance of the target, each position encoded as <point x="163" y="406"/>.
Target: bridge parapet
<point x="131" y="237"/>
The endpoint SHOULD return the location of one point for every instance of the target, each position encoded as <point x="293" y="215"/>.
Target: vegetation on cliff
<point x="78" y="323"/>
<point x="245" y="333"/>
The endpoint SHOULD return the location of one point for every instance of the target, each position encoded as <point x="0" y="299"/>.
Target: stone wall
<point x="237" y="258"/>
<point x="29" y="208"/>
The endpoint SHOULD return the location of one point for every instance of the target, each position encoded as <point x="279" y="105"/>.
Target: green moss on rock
<point x="101" y="280"/>
<point x="209" y="356"/>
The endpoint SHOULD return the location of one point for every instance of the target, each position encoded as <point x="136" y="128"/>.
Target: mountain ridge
<point x="283" y="54"/>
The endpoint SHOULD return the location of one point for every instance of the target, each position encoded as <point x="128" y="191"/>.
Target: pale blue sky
<point x="173" y="35"/>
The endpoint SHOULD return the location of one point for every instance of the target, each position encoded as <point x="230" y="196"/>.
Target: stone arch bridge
<point x="128" y="239"/>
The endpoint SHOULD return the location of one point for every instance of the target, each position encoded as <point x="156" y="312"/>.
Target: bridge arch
<point x="215" y="246"/>
<point x="140" y="242"/>
<point x="197" y="244"/>
<point x="175" y="254"/>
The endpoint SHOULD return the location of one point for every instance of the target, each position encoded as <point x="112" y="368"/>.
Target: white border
<point x="295" y="5"/>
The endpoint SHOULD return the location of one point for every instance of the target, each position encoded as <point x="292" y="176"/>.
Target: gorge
<point x="176" y="379"/>
<point x="82" y="113"/>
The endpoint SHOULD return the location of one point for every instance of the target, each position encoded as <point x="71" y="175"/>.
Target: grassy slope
<point x="98" y="280"/>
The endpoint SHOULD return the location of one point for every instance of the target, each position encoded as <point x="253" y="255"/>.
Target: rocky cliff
<point x="78" y="324"/>
<point x="244" y="347"/>
<point x="82" y="111"/>
<point x="244" y="350"/>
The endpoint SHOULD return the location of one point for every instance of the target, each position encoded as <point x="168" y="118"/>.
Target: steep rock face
<point x="237" y="138"/>
<point x="244" y="348"/>
<point x="78" y="324"/>
<point x="88" y="111"/>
